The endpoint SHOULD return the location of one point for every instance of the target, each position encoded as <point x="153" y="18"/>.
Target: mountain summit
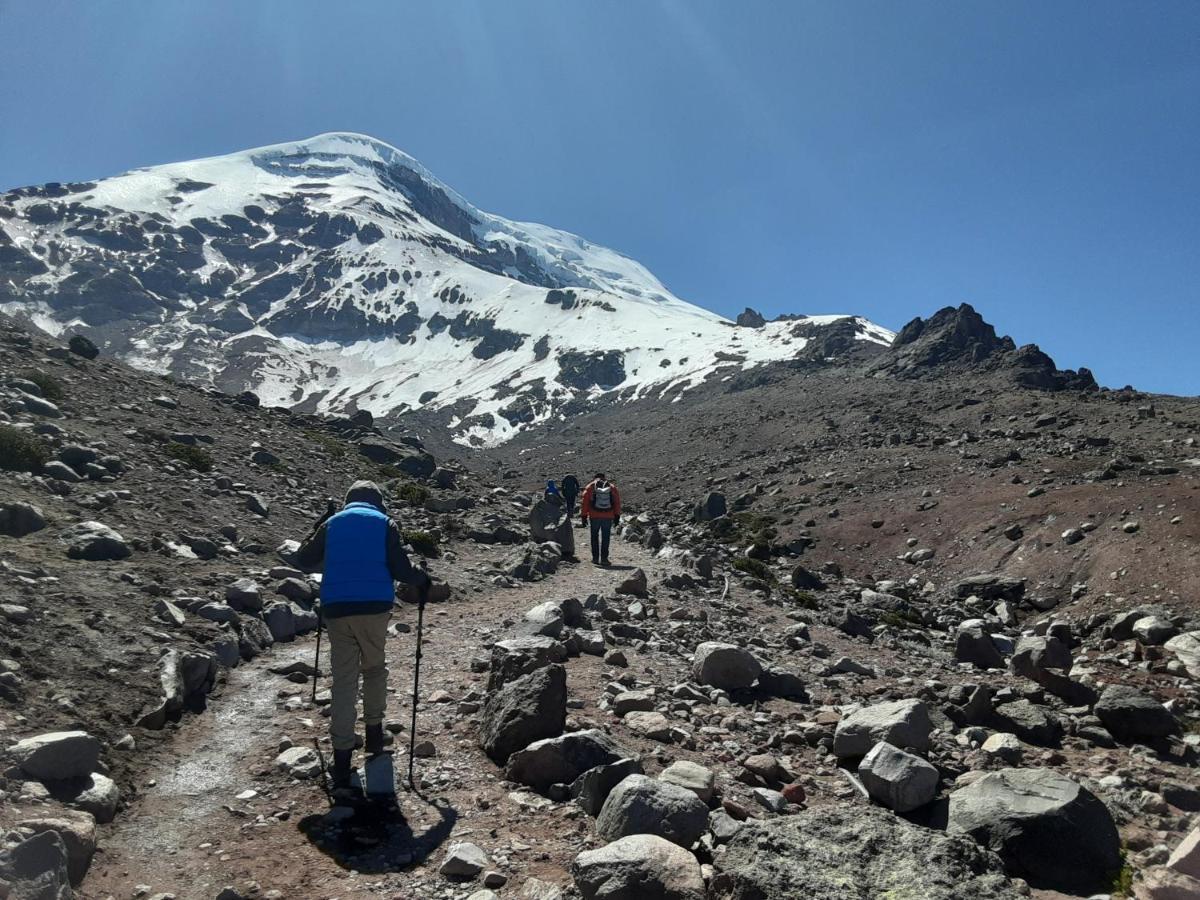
<point x="337" y="274"/>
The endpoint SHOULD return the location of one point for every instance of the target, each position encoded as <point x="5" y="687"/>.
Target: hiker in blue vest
<point x="360" y="552"/>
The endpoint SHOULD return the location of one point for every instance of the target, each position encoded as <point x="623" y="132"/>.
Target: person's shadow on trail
<point x="372" y="834"/>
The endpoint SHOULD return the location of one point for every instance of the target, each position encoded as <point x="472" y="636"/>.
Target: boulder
<point x="519" y="656"/>
<point x="973" y="644"/>
<point x="545" y="619"/>
<point x="638" y="867"/>
<point x="634" y="584"/>
<point x="464" y="862"/>
<point x="244" y="595"/>
<point x="1030" y="722"/>
<point x="560" y="760"/>
<point x="57" y="755"/>
<point x="782" y="683"/>
<point x="644" y="805"/>
<point x="299" y="762"/>
<point x="82" y="346"/>
<point x="77" y="831"/>
<point x="1186" y="648"/>
<point x="281" y="621"/>
<point x="36" y="869"/>
<point x="1131" y="715"/>
<point x="690" y="775"/>
<point x="94" y="541"/>
<point x="19" y="519"/>
<point x="1154" y="630"/>
<point x="711" y="507"/>
<point x="854" y="853"/>
<point x="1185" y="859"/>
<point x="902" y="723"/>
<point x="1036" y="653"/>
<point x="804" y="580"/>
<point x="1047" y="828"/>
<point x="592" y="788"/>
<point x="725" y="666"/>
<point x="899" y="780"/>
<point x="523" y="711"/>
<point x="100" y="797"/>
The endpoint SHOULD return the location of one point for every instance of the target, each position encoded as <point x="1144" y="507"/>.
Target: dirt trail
<point x="189" y="835"/>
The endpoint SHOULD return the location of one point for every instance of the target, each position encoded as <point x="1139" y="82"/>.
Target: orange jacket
<point x="586" y="510"/>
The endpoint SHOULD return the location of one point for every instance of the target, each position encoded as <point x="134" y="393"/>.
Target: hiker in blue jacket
<point x="360" y="552"/>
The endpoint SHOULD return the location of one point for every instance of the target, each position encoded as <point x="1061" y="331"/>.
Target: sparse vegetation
<point x="423" y="542"/>
<point x="52" y="388"/>
<point x="21" y="451"/>
<point x="413" y="493"/>
<point x="1122" y="881"/>
<point x="193" y="457"/>
<point x="754" y="567"/>
<point x="900" y="618"/>
<point x="333" y="447"/>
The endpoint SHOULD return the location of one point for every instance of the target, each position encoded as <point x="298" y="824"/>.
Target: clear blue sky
<point x="1039" y="160"/>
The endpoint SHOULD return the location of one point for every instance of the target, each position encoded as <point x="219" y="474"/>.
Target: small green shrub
<point x="333" y="447"/>
<point x="423" y="542"/>
<point x="21" y="451"/>
<point x="194" y="457"/>
<point x="52" y="388"/>
<point x="1122" y="881"/>
<point x="757" y="568"/>
<point x="900" y="619"/>
<point x="413" y="493"/>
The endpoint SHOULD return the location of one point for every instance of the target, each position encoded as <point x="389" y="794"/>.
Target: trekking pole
<point x="330" y="509"/>
<point x="412" y="732"/>
<point x="317" y="661"/>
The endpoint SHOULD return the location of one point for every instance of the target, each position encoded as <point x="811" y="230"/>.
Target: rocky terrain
<point x="914" y="623"/>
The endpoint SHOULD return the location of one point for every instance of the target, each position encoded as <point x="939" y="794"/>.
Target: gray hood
<point x="366" y="492"/>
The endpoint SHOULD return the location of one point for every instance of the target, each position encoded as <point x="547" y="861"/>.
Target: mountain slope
<point x="337" y="274"/>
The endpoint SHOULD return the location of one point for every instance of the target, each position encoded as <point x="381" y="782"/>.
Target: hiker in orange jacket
<point x="601" y="507"/>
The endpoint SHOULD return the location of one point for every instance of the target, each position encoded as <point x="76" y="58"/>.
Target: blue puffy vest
<point x="356" y="567"/>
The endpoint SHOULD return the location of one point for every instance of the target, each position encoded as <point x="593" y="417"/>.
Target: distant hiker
<point x="361" y="553"/>
<point x="570" y="491"/>
<point x="549" y="520"/>
<point x="602" y="508"/>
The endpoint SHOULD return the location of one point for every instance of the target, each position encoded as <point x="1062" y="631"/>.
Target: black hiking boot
<point x="340" y="772"/>
<point x="605" y="562"/>
<point x="376" y="740"/>
<point x="595" y="560"/>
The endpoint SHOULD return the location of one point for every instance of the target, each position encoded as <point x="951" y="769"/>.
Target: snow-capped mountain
<point x="337" y="273"/>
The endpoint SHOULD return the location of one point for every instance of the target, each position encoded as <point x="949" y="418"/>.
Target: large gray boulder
<point x="519" y="656"/>
<point x="713" y="506"/>
<point x="644" y="805"/>
<point x="973" y="644"/>
<point x="77" y="831"/>
<point x="1036" y="653"/>
<point x="245" y="595"/>
<point x="1131" y="715"/>
<point x="1186" y="648"/>
<point x="94" y="541"/>
<point x="859" y="853"/>
<point x="592" y="788"/>
<point x="19" y="519"/>
<point x="525" y="710"/>
<point x="638" y="867"/>
<point x="550" y="522"/>
<point x="36" y="869"/>
<point x="902" y="723"/>
<point x="898" y="780"/>
<point x="725" y="666"/>
<point x="1047" y="828"/>
<point x="560" y="760"/>
<point x="57" y="755"/>
<point x="1030" y="722"/>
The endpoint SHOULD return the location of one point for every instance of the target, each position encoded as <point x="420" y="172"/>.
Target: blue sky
<point x="1039" y="160"/>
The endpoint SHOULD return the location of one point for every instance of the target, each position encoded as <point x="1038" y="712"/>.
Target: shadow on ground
<point x="372" y="834"/>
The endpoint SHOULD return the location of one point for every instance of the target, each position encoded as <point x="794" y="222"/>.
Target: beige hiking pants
<point x="356" y="645"/>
